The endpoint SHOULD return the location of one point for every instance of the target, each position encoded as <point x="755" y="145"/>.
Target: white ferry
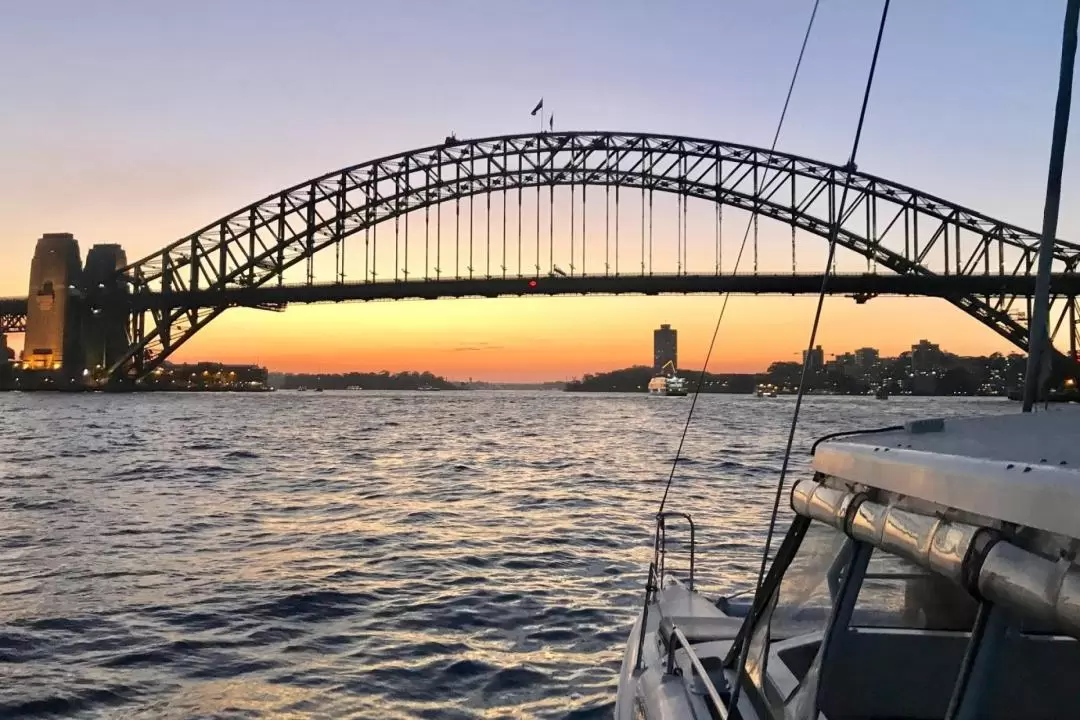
<point x="662" y="385"/>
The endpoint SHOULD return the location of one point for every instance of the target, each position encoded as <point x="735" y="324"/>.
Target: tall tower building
<point x="665" y="348"/>
<point x="814" y="360"/>
<point x="52" y="326"/>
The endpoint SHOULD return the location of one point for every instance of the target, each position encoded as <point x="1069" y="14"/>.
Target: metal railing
<point x="657" y="568"/>
<point x="660" y="545"/>
<point x="695" y="663"/>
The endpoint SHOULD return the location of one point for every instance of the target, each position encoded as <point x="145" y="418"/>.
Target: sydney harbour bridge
<point x="555" y="213"/>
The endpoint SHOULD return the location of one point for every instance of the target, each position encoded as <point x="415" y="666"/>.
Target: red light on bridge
<point x="532" y="283"/>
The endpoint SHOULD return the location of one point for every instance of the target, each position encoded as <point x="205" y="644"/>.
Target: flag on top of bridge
<point x="539" y="107"/>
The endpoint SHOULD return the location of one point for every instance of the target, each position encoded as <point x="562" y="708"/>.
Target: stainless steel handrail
<point x="660" y="544"/>
<point x="695" y="661"/>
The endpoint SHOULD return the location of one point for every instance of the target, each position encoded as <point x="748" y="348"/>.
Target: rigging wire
<point x="837" y="219"/>
<point x="735" y="269"/>
<point x="835" y="231"/>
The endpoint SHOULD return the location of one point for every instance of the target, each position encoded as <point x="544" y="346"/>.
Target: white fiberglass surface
<point x="1047" y="437"/>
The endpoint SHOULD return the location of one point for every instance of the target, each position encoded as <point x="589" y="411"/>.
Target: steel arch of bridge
<point x="901" y="229"/>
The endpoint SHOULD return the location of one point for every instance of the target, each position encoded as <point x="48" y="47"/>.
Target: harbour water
<point x="365" y="554"/>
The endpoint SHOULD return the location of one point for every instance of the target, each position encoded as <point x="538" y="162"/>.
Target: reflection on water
<point x="367" y="554"/>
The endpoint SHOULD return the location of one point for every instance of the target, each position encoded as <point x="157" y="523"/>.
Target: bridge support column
<point x="104" y="320"/>
<point x="52" y="349"/>
<point x="7" y="364"/>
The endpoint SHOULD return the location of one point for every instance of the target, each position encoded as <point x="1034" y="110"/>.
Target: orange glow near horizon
<point x="557" y="338"/>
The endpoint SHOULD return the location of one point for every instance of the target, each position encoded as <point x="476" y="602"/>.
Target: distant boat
<point x="429" y="388"/>
<point x="672" y="385"/>
<point x="882" y="393"/>
<point x="663" y="385"/>
<point x="302" y="388"/>
<point x="318" y="389"/>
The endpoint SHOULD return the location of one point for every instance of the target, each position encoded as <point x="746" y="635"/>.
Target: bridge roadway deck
<point x="12" y="306"/>
<point x="863" y="285"/>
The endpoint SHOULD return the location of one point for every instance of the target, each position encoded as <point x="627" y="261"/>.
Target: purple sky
<point x="144" y="120"/>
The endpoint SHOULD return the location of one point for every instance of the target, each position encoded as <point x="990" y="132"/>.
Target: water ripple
<point x="371" y="554"/>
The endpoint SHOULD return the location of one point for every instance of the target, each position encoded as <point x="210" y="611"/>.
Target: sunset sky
<point x="137" y="123"/>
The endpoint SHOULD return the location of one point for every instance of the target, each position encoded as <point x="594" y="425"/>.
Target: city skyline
<point x="133" y="160"/>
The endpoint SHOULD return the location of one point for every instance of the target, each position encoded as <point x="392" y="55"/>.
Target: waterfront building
<point x="867" y="357"/>
<point x="209" y="376"/>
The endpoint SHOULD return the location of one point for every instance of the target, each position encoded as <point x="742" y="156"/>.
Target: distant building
<point x="926" y="357"/>
<point x="845" y="361"/>
<point x="867" y="357"/>
<point x="814" y="359"/>
<point x="665" y="347"/>
<point x="52" y="330"/>
<point x="209" y="376"/>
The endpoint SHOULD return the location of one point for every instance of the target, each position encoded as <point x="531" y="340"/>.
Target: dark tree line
<point x="369" y="381"/>
<point x="636" y="379"/>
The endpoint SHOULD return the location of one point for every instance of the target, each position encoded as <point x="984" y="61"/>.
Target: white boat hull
<point x="646" y="689"/>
